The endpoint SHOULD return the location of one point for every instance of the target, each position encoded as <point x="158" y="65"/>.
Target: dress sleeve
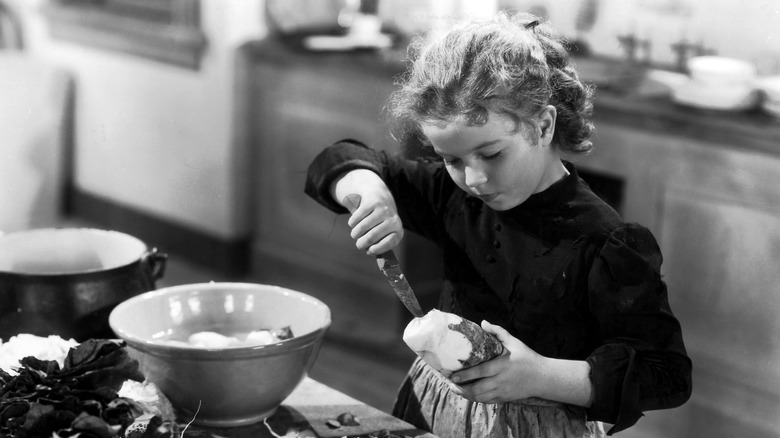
<point x="641" y="364"/>
<point x="419" y="187"/>
<point x="332" y="162"/>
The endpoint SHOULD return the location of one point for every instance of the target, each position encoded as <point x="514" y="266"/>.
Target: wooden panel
<point x="716" y="213"/>
<point x="720" y="257"/>
<point x="299" y="243"/>
<point x="309" y="113"/>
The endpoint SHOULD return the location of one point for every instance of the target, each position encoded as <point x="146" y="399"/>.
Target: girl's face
<point x="496" y="162"/>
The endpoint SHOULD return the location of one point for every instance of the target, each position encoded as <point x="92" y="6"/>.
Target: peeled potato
<point x="211" y="340"/>
<point x="448" y="342"/>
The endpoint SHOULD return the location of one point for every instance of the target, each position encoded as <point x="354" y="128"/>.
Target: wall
<point x="34" y="115"/>
<point x="157" y="138"/>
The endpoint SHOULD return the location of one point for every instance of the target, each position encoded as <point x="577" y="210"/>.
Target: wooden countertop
<point x="748" y="130"/>
<point x="310" y="407"/>
<point x="752" y="130"/>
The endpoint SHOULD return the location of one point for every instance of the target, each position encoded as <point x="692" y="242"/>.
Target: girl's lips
<point x="487" y="198"/>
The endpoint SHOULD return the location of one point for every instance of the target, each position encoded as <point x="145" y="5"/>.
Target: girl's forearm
<point x="567" y="381"/>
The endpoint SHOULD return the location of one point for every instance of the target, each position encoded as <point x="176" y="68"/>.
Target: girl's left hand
<point x="514" y="375"/>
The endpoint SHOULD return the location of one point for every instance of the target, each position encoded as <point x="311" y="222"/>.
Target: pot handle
<point x="157" y="262"/>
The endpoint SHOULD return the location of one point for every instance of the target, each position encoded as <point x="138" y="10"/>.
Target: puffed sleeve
<point x="641" y="364"/>
<point x="332" y="162"/>
<point x="420" y="187"/>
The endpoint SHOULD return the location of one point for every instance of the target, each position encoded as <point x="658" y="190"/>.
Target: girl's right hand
<point x="376" y="226"/>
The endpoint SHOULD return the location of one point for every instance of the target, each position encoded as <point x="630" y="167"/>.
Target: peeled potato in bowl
<point x="226" y="384"/>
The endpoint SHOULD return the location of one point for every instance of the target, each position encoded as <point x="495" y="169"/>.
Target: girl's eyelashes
<point x="492" y="156"/>
<point x="453" y="161"/>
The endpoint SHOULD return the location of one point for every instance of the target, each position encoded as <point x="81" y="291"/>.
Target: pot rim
<point x="11" y="243"/>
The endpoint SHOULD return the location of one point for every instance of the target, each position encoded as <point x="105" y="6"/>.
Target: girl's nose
<point x="474" y="176"/>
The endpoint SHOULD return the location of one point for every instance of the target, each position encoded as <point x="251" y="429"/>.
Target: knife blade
<point x="391" y="269"/>
<point x="389" y="266"/>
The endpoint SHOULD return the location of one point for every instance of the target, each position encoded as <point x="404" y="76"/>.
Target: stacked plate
<point x="770" y="88"/>
<point x="718" y="83"/>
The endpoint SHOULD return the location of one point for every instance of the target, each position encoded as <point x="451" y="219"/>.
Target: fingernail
<point x="456" y="379"/>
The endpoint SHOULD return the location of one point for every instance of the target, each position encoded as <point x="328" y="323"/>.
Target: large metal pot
<point x="66" y="281"/>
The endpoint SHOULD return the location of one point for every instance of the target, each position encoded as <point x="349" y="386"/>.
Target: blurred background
<point x="190" y="124"/>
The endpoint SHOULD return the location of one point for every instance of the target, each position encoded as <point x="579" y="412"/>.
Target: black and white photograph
<point x="389" y="218"/>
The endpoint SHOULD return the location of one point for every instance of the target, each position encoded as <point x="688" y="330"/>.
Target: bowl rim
<point x="160" y="348"/>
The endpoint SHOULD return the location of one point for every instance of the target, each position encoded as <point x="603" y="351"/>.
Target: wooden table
<point x="310" y="407"/>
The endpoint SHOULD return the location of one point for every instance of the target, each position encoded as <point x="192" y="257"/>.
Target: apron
<point x="425" y="401"/>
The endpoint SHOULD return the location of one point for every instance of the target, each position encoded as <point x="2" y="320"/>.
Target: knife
<point x="390" y="268"/>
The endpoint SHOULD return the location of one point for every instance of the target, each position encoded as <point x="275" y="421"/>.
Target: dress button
<point x="496" y="244"/>
<point x="490" y="259"/>
<point x="498" y="227"/>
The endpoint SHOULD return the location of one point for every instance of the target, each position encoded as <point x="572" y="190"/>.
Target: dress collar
<point x="561" y="191"/>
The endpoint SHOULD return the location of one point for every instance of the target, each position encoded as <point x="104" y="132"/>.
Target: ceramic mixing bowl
<point x="228" y="385"/>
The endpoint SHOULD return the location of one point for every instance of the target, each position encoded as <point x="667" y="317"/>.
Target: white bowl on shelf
<point x="718" y="97"/>
<point x="718" y="70"/>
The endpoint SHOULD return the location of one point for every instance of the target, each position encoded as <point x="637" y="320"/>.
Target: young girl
<point x="573" y="292"/>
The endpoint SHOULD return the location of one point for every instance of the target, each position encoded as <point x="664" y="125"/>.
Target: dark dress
<point x="561" y="272"/>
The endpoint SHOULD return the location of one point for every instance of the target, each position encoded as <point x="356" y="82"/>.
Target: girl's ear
<point x="547" y="118"/>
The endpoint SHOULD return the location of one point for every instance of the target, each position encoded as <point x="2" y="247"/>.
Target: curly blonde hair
<point x="513" y="65"/>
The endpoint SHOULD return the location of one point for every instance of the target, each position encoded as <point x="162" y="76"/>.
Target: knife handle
<point x="387" y="260"/>
<point x="388" y="264"/>
<point x="352" y="202"/>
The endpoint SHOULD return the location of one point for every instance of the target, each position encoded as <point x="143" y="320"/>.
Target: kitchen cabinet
<point x="715" y="210"/>
<point x="300" y="103"/>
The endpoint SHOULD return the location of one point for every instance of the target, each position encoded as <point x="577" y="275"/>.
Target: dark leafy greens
<point x="78" y="400"/>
